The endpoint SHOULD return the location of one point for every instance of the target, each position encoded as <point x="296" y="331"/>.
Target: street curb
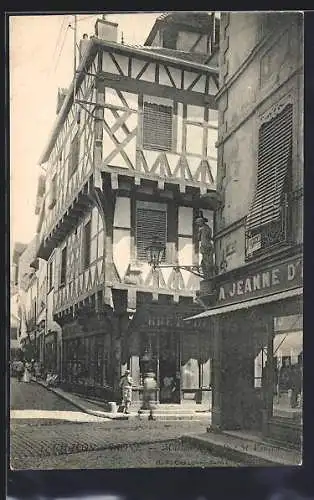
<point x="232" y="453"/>
<point x="197" y="416"/>
<point x="95" y="413"/>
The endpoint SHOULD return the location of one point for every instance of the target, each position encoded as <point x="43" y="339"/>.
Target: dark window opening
<point x="87" y="244"/>
<point x="170" y="39"/>
<point x="157" y="127"/>
<point x="50" y="276"/>
<point x="63" y="266"/>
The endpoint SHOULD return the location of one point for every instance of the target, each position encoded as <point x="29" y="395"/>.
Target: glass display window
<point x="288" y="366"/>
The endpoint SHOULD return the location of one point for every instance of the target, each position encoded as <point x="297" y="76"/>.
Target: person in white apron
<point x="126" y="384"/>
<point x="27" y="372"/>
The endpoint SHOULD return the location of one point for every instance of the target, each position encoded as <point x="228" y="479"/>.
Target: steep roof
<point x="198" y="20"/>
<point x="191" y="20"/>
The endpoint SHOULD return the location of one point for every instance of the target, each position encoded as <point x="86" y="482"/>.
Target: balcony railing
<point x="281" y="231"/>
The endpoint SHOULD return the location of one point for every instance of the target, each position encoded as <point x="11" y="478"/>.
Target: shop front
<point x="178" y="354"/>
<point x="86" y="367"/>
<point x="51" y="352"/>
<point x="258" y="350"/>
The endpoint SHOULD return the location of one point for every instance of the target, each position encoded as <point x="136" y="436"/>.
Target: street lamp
<point x="155" y="253"/>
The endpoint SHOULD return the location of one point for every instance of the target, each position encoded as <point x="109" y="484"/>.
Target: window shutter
<point x="274" y="159"/>
<point x="157" y="127"/>
<point x="150" y="224"/>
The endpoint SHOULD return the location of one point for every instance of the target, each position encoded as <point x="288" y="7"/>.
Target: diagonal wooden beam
<point x="196" y="43"/>
<point x="116" y="64"/>
<point x="120" y="121"/>
<point x="142" y="71"/>
<point x="119" y="146"/>
<point x="194" y="82"/>
<point x="170" y="76"/>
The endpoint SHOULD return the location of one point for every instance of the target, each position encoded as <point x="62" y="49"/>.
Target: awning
<point x="248" y="303"/>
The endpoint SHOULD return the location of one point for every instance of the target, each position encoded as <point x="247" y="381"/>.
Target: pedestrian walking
<point x="27" y="372"/>
<point x="149" y="391"/>
<point x="19" y="370"/>
<point x="36" y="368"/>
<point x="126" y="384"/>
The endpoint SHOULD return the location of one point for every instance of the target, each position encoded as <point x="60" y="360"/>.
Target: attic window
<point x="170" y="39"/>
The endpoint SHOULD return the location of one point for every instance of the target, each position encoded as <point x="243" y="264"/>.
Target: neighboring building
<point x="256" y="298"/>
<point x="15" y="321"/>
<point x="27" y="298"/>
<point x="130" y="160"/>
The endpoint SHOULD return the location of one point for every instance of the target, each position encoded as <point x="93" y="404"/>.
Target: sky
<point x="41" y="60"/>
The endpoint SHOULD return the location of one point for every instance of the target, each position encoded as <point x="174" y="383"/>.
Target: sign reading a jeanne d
<point x="276" y="278"/>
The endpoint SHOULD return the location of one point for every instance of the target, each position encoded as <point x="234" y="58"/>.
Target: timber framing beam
<point x="132" y="85"/>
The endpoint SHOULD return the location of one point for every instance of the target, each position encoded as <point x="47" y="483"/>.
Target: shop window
<point x="259" y="368"/>
<point x="151" y="222"/>
<point x="63" y="266"/>
<point x="288" y="366"/>
<point x="157" y="127"/>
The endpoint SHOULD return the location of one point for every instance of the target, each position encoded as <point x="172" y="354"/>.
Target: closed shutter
<point x="151" y="223"/>
<point x="157" y="127"/>
<point x="74" y="154"/>
<point x="274" y="160"/>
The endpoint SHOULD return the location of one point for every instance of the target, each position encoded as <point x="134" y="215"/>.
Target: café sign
<point x="277" y="278"/>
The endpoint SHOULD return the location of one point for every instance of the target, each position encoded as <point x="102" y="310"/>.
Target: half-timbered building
<point x="132" y="156"/>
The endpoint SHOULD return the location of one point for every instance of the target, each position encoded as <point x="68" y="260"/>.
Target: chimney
<point x="62" y="93"/>
<point x="105" y="30"/>
<point x="84" y="42"/>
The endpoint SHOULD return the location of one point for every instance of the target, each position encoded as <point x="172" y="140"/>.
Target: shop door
<point x="169" y="368"/>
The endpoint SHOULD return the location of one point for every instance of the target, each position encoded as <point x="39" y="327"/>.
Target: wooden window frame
<point x="63" y="268"/>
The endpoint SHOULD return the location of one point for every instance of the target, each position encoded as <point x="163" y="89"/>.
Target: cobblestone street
<point x="54" y="443"/>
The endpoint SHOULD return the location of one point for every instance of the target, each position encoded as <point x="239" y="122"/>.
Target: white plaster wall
<point x="194" y="139"/>
<point x="185" y="251"/>
<point x="122" y="215"/>
<point x="185" y="221"/>
<point x="121" y="250"/>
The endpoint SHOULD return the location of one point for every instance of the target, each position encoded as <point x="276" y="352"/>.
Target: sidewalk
<point x="244" y="448"/>
<point x="109" y="410"/>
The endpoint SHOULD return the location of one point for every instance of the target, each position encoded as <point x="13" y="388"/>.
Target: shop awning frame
<point x="248" y="303"/>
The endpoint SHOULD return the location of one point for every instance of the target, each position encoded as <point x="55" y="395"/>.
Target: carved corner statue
<point x="205" y="239"/>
